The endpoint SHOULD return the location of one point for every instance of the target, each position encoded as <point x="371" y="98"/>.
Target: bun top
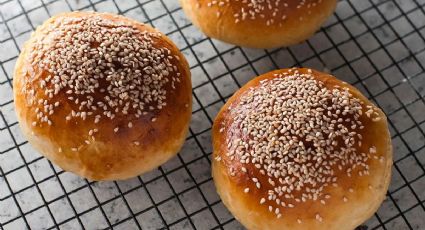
<point x="259" y="23"/>
<point x="99" y="94"/>
<point x="298" y="139"/>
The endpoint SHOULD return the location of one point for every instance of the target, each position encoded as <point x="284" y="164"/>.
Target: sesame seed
<point x="345" y="199"/>
<point x="319" y="218"/>
<point x="130" y="125"/>
<point x="299" y="221"/>
<point x="263" y="200"/>
<point x="246" y="190"/>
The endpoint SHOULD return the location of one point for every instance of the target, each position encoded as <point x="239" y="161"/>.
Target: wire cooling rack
<point x="376" y="45"/>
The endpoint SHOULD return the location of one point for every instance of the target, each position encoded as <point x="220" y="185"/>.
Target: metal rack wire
<point x="376" y="45"/>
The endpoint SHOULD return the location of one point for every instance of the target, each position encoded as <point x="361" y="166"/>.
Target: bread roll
<point x="102" y="95"/>
<point x="259" y="23"/>
<point x="300" y="149"/>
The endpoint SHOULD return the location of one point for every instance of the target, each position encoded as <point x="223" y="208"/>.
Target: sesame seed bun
<point x="259" y="24"/>
<point x="102" y="95"/>
<point x="275" y="198"/>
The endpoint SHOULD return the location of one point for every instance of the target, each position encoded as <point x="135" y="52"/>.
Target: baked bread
<point x="101" y="95"/>
<point x="300" y="149"/>
<point x="259" y="23"/>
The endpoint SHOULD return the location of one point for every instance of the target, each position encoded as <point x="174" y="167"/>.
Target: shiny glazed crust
<point x="112" y="155"/>
<point x="364" y="194"/>
<point x="298" y="25"/>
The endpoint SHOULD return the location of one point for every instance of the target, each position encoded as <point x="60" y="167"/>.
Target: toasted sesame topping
<point x="270" y="11"/>
<point x="300" y="134"/>
<point x="105" y="68"/>
<point x="246" y="190"/>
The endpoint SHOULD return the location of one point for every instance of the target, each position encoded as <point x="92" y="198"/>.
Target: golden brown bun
<point x="266" y="29"/>
<point x="349" y="204"/>
<point x="109" y="154"/>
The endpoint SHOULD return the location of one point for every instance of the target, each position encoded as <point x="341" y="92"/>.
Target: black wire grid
<point x="377" y="45"/>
